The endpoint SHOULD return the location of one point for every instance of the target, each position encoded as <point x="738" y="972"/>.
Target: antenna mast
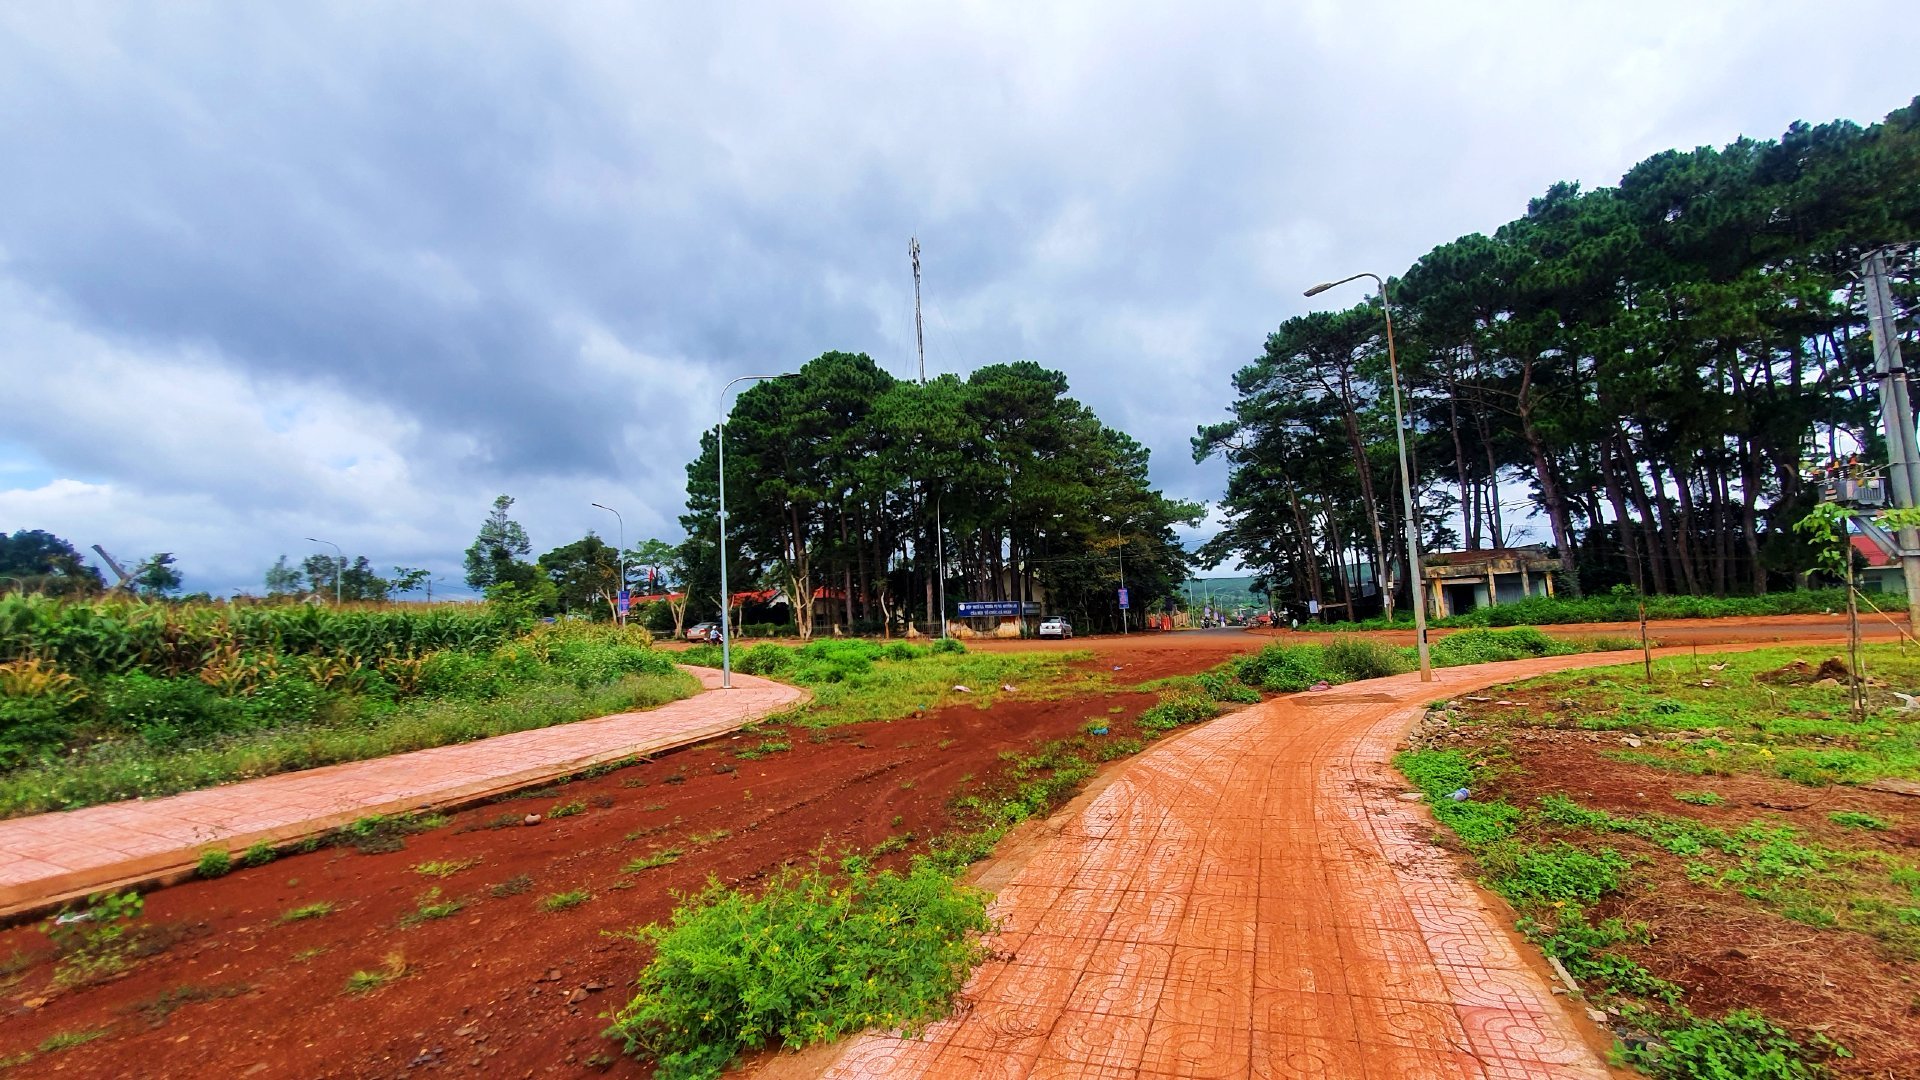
<point x="919" y="328"/>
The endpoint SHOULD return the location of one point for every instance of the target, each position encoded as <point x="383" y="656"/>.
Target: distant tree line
<point x="846" y="486"/>
<point x="1646" y="365"/>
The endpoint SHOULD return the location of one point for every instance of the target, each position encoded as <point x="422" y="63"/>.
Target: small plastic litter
<point x="1459" y="794"/>
<point x="1101" y="730"/>
<point x="1117" y="667"/>
<point x="958" y="689"/>
<point x="1321" y="685"/>
<point x="1008" y="687"/>
<point x="73" y="917"/>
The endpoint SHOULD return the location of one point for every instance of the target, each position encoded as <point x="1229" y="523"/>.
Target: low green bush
<point x="1284" y="668"/>
<point x="766" y="660"/>
<point x="814" y="957"/>
<point x="1350" y="659"/>
<point x="1491" y="646"/>
<point x="1742" y="1045"/>
<point x="1552" y="875"/>
<point x="1176" y="710"/>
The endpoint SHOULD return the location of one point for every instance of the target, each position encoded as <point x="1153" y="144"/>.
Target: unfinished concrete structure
<point x="1459" y="581"/>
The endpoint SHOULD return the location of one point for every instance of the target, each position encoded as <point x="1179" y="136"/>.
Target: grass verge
<point x="1700" y="853"/>
<point x="131" y="768"/>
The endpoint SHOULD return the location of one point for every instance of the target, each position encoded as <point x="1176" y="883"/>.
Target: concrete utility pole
<point x="1896" y="411"/>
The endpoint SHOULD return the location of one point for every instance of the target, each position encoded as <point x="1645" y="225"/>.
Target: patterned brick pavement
<point x="47" y="858"/>
<point x="1250" y="901"/>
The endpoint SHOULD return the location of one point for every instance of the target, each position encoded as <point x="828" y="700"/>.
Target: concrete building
<point x="1459" y="581"/>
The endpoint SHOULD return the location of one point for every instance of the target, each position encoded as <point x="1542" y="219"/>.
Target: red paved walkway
<point x="1250" y="901"/>
<point x="51" y="857"/>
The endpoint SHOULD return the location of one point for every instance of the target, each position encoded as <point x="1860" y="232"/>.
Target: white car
<point x="1056" y="627"/>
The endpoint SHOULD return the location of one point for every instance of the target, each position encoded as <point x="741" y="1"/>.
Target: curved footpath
<point x="1250" y="900"/>
<point x="49" y="858"/>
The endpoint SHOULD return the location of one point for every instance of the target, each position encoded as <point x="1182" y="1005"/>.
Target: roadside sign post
<point x="626" y="604"/>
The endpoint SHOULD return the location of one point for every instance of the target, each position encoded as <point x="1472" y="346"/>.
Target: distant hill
<point x="1227" y="592"/>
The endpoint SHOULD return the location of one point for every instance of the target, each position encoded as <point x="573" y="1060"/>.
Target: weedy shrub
<point x="948" y="645"/>
<point x="1700" y="798"/>
<point x="97" y="943"/>
<point x="1583" y="949"/>
<point x="259" y="854"/>
<point x="814" y="957"/>
<point x="392" y="966"/>
<point x="567" y="809"/>
<point x="214" y="862"/>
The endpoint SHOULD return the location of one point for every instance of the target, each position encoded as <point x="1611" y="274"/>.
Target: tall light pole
<point x="1120" y="549"/>
<point x="1417" y="581"/>
<point x="336" y="566"/>
<point x="720" y="450"/>
<point x="620" y="555"/>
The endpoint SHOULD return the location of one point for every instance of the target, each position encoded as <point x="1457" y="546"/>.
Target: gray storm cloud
<point x="269" y="272"/>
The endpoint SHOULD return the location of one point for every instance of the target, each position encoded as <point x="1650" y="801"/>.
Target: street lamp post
<point x="720" y="451"/>
<point x="1417" y="581"/>
<point x="620" y="555"/>
<point x="336" y="566"/>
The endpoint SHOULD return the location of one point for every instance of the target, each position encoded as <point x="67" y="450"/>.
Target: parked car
<point x="701" y="631"/>
<point x="1056" y="627"/>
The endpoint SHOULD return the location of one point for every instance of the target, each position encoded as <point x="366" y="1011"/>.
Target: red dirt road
<point x="1249" y="901"/>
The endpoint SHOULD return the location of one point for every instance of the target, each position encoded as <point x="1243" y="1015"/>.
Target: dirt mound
<point x="1802" y="673"/>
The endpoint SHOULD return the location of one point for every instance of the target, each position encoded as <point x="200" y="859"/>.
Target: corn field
<point x="121" y="637"/>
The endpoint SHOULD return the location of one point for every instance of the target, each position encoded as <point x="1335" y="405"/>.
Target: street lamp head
<point x="1318" y="289"/>
<point x="606" y="508"/>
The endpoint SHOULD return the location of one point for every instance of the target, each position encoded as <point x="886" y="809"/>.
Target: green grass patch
<point x="817" y="955"/>
<point x="513" y="886"/>
<point x="67" y="1040"/>
<point x="653" y="861"/>
<point x="857" y="681"/>
<point x="304" y="912"/>
<point x="1853" y="819"/>
<point x="444" y="868"/>
<point x="431" y="907"/>
<point x="565" y="901"/>
<point x="214" y="862"/>
<point x="352" y="729"/>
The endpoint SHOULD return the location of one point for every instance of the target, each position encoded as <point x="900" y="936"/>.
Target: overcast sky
<point x="272" y="271"/>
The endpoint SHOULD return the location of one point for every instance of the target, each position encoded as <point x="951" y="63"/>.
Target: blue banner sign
<point x="972" y="609"/>
<point x="626" y="601"/>
<point x="1123" y="599"/>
